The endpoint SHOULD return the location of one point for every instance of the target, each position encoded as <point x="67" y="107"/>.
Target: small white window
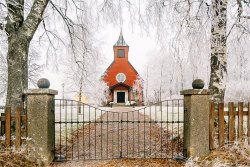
<point x="120" y="77"/>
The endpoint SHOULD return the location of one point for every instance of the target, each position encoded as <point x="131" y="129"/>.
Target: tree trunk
<point x="17" y="56"/>
<point x="20" y="32"/>
<point x="218" y="61"/>
<point x="80" y="97"/>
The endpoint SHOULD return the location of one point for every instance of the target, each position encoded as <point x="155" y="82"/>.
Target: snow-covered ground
<point x="71" y="114"/>
<point x="90" y="113"/>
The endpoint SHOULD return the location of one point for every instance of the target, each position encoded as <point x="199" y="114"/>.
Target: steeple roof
<point x="121" y="41"/>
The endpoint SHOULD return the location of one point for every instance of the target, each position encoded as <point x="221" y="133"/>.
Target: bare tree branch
<point x="240" y="10"/>
<point x="68" y="22"/>
<point x="3" y="4"/>
<point x="245" y="17"/>
<point x="229" y="32"/>
<point x="1" y="26"/>
<point x="34" y="17"/>
<point x="15" y="15"/>
<point x="46" y="32"/>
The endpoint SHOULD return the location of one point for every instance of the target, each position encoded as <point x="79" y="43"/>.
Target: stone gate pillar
<point x="196" y="120"/>
<point x="40" y="112"/>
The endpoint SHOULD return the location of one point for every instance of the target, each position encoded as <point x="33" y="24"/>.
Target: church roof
<point x="121" y="41"/>
<point x="113" y="63"/>
<point x="120" y="84"/>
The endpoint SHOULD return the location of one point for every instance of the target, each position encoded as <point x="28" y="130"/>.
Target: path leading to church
<point x="147" y="140"/>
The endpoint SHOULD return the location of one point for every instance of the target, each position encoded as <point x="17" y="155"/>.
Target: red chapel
<point x="124" y="82"/>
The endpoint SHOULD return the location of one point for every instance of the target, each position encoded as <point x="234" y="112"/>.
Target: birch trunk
<point x="218" y="61"/>
<point x="20" y="32"/>
<point x="80" y="97"/>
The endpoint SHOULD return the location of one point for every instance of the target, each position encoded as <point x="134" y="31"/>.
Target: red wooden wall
<point x="120" y="65"/>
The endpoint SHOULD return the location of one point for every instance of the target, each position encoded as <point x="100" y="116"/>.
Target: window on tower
<point x="120" y="53"/>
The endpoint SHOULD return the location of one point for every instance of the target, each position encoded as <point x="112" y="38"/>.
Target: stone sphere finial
<point x="43" y="83"/>
<point x="198" y="84"/>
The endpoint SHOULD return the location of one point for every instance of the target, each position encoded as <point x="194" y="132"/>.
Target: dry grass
<point x="140" y="163"/>
<point x="236" y="154"/>
<point x="122" y="162"/>
<point x="12" y="158"/>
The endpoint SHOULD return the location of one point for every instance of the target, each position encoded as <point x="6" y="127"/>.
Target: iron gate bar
<point x="127" y="133"/>
<point x="75" y="122"/>
<point x="158" y="138"/>
<point x="144" y="133"/>
<point x="155" y="127"/>
<point x="133" y="134"/>
<point x="119" y="151"/>
<point x="121" y="135"/>
<point x="95" y="133"/>
<point x="83" y="143"/>
<point x="66" y="130"/>
<point x="138" y="134"/>
<point x="54" y="118"/>
<point x="89" y="132"/>
<point x="72" y="145"/>
<point x="167" y="134"/>
<point x="60" y="128"/>
<point x="161" y="126"/>
<point x="78" y="104"/>
<point x="150" y="132"/>
<point x="113" y="136"/>
<point x="101" y="133"/>
<point x="172" y="129"/>
<point x="107" y="136"/>
<point x="178" y="127"/>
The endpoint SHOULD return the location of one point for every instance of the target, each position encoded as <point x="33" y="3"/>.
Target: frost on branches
<point x="137" y="91"/>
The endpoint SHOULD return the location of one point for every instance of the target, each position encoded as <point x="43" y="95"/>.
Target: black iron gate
<point x="86" y="132"/>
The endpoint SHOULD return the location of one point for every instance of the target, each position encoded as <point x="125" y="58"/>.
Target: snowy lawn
<point x="71" y="114"/>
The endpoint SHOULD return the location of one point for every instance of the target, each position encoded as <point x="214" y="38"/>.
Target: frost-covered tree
<point x="83" y="77"/>
<point x="165" y="76"/>
<point x="186" y="20"/>
<point x="218" y="62"/>
<point x="137" y="92"/>
<point x="210" y="17"/>
<point x="21" y="19"/>
<point x="34" y="70"/>
<point x="19" y="29"/>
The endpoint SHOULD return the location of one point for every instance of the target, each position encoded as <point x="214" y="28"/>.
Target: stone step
<point x="119" y="104"/>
